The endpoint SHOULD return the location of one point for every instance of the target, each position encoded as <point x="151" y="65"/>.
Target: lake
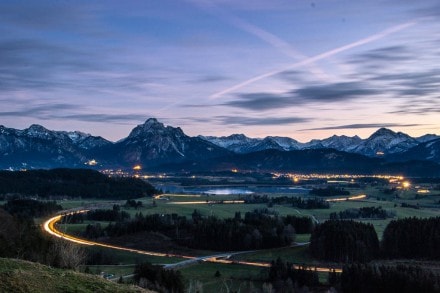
<point x="232" y="190"/>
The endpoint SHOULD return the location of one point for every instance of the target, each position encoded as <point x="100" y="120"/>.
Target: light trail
<point x="208" y="202"/>
<point x="175" y="195"/>
<point x="49" y="227"/>
<point x="267" y="265"/>
<point x="355" y="197"/>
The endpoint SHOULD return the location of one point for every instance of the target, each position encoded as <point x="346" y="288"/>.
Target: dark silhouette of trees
<point x="285" y="278"/>
<point x="157" y="278"/>
<point x="30" y="208"/>
<point x="133" y="204"/>
<point x="344" y="241"/>
<point x="257" y="229"/>
<point x="294" y="201"/>
<point x="21" y="238"/>
<point x="388" y="278"/>
<point x="113" y="215"/>
<point x="84" y="183"/>
<point x="412" y="238"/>
<point x="329" y="191"/>
<point x="364" y="212"/>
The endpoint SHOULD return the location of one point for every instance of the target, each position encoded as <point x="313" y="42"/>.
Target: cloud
<point x="71" y="112"/>
<point x="260" y="101"/>
<point x="106" y="118"/>
<point x="249" y="121"/>
<point x="44" y="66"/>
<point x="334" y="92"/>
<point x="361" y="126"/>
<point x="431" y="9"/>
<point x="41" y="111"/>
<point x="292" y="75"/>
<point x="327" y="93"/>
<point x="313" y="59"/>
<point x="31" y="63"/>
<point x="405" y="76"/>
<point x="212" y="78"/>
<point x="390" y="53"/>
<point x="421" y="110"/>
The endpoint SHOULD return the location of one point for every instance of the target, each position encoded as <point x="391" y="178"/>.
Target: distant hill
<point x="85" y="183"/>
<point x="312" y="161"/>
<point x="23" y="276"/>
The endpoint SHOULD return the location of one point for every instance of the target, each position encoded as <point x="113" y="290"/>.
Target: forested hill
<point x="83" y="183"/>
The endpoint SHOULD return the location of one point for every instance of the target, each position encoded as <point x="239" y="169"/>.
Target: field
<point x="231" y="277"/>
<point x="235" y="276"/>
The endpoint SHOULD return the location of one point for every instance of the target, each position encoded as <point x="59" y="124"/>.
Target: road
<point x="50" y="227"/>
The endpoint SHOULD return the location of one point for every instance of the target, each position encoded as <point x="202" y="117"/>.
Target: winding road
<point x="49" y="226"/>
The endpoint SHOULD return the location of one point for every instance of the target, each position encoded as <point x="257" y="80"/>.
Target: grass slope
<point x="22" y="276"/>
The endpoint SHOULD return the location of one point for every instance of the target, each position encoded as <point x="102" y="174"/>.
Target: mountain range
<point x="155" y="146"/>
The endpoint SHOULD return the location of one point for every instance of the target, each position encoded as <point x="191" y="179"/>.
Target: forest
<point x="412" y="238"/>
<point x="365" y="278"/>
<point x="293" y="201"/>
<point x="344" y="241"/>
<point x="348" y="241"/>
<point x="31" y="208"/>
<point x="362" y="213"/>
<point x="255" y="230"/>
<point x="71" y="183"/>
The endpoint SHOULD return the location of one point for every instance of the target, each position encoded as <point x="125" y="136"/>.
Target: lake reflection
<point x="228" y="191"/>
<point x="233" y="190"/>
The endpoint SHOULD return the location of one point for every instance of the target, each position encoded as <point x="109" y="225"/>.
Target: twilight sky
<point x="298" y="68"/>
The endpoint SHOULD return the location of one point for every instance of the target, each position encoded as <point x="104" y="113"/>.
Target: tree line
<point x="344" y="241"/>
<point x="329" y="191"/>
<point x="83" y="183"/>
<point x="257" y="229"/>
<point x="293" y="201"/>
<point x="349" y="241"/>
<point x="30" y="208"/>
<point x="156" y="278"/>
<point x="362" y="213"/>
<point x="412" y="238"/>
<point x="365" y="278"/>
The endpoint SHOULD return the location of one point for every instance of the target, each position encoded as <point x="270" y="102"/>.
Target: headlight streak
<point x="49" y="227"/>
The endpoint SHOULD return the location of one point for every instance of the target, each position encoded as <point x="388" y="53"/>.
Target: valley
<point x="404" y="201"/>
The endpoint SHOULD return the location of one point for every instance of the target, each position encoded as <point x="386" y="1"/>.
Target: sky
<point x="297" y="68"/>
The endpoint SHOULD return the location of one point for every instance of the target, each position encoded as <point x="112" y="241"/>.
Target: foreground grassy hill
<point x="23" y="276"/>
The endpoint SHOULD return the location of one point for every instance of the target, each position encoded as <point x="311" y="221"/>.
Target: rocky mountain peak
<point x="382" y="132"/>
<point x="36" y="130"/>
<point x="153" y="127"/>
<point x="37" y="127"/>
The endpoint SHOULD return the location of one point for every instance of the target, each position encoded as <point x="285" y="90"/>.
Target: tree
<point x="68" y="255"/>
<point x="344" y="241"/>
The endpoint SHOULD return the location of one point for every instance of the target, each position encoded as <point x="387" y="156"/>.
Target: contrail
<point x="262" y="34"/>
<point x="321" y="56"/>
